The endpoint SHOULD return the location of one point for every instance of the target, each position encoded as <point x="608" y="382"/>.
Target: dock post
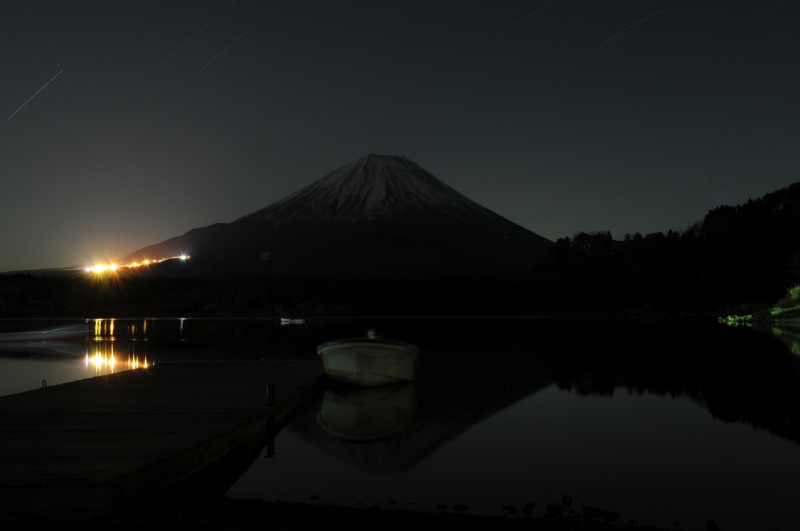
<point x="271" y="421"/>
<point x="270" y="446"/>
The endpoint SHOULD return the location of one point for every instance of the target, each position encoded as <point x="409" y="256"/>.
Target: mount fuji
<point x="380" y="216"/>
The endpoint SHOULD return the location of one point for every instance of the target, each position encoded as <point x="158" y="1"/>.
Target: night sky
<point x="156" y="117"/>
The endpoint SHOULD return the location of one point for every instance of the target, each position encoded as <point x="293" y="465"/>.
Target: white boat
<point x="288" y="321"/>
<point x="368" y="362"/>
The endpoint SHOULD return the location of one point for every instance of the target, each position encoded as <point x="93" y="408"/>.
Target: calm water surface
<point x="679" y="422"/>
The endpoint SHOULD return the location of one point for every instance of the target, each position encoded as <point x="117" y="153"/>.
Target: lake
<point x="664" y="423"/>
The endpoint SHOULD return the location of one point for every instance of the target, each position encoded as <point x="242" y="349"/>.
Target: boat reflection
<point x="367" y="413"/>
<point x="400" y="425"/>
<point x="371" y="392"/>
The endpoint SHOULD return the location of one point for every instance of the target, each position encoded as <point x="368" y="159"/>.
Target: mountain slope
<point x="370" y="188"/>
<point x="376" y="210"/>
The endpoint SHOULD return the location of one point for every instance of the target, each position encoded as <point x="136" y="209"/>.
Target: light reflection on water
<point x="70" y="352"/>
<point x="604" y="451"/>
<point x="661" y="425"/>
<point x="131" y="352"/>
<point x="790" y="336"/>
<point x="108" y="364"/>
<point x="658" y="428"/>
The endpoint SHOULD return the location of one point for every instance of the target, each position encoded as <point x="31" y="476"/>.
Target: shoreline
<point x="236" y="513"/>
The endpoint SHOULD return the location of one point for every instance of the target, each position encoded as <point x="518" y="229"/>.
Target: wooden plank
<point x="90" y="447"/>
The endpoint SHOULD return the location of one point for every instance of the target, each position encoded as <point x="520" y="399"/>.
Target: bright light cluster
<point x="107" y="363"/>
<point x="102" y="268"/>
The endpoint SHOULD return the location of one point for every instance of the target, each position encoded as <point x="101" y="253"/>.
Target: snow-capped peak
<point x="370" y="187"/>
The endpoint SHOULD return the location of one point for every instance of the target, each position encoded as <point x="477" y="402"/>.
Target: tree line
<point x="744" y="253"/>
<point x="748" y="253"/>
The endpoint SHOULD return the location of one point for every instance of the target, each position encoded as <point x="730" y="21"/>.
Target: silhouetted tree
<point x="794" y="264"/>
<point x="736" y="254"/>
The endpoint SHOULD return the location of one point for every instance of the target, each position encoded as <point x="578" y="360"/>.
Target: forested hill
<point x="744" y="253"/>
<point x="737" y="254"/>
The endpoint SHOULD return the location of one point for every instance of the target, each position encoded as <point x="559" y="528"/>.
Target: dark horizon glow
<point x="166" y="117"/>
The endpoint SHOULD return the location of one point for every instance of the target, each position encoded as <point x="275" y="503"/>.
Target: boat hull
<point x="368" y="362"/>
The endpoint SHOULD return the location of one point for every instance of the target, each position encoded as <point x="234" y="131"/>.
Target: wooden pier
<point x="94" y="446"/>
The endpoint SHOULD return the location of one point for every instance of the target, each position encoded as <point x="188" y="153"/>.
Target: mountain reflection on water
<point x="651" y="420"/>
<point x="738" y="374"/>
<point x="449" y="400"/>
<point x="367" y="413"/>
<point x="732" y="375"/>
